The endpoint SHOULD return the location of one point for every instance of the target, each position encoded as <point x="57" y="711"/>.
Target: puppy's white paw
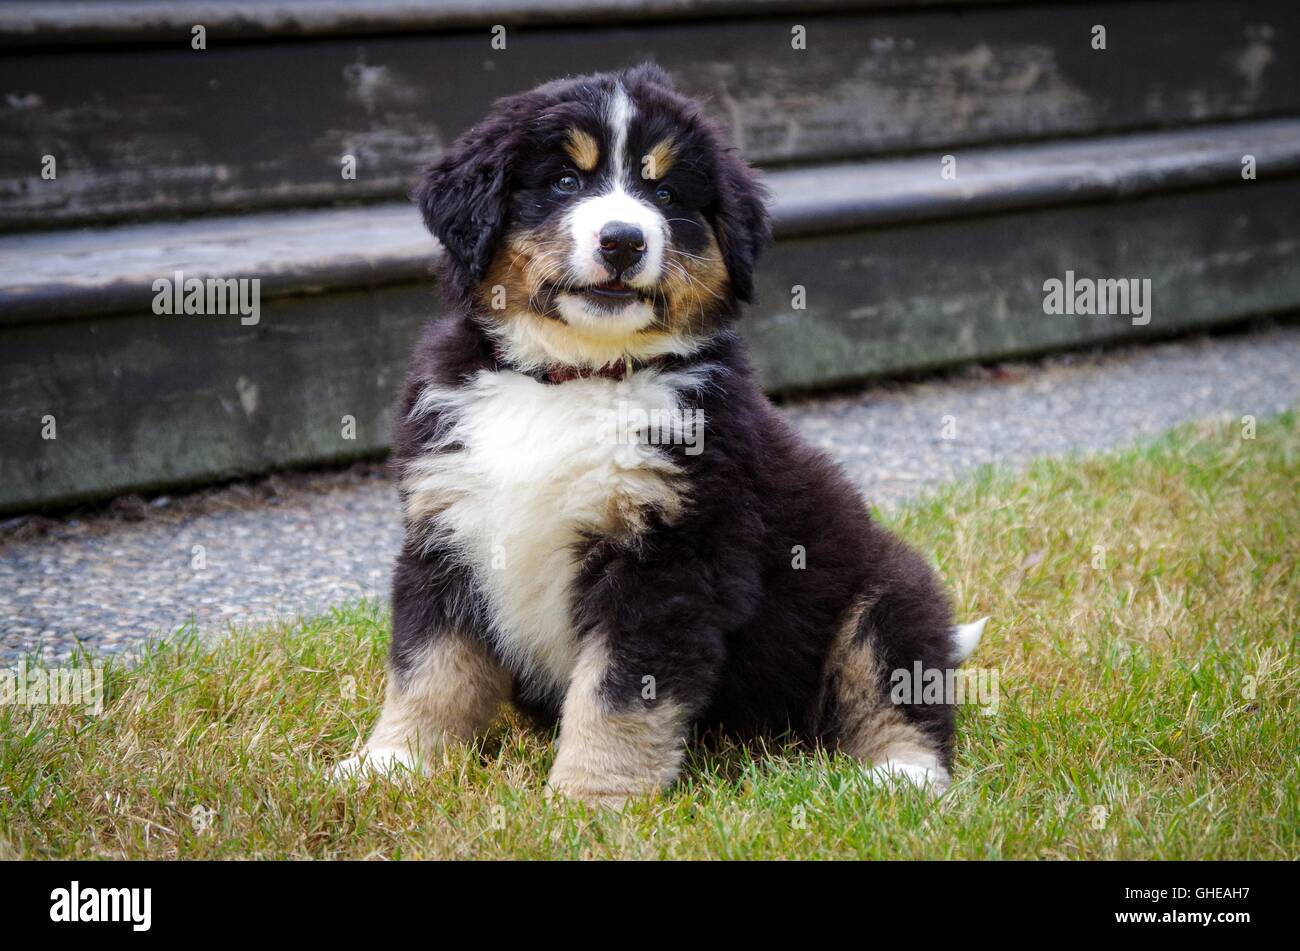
<point x="386" y="762"/>
<point x="592" y="799"/>
<point x="931" y="779"/>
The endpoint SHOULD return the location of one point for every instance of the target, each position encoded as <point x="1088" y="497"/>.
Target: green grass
<point x="1147" y="709"/>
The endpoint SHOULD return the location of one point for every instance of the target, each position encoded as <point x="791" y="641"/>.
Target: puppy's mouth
<point x="612" y="291"/>
<point x="609" y="295"/>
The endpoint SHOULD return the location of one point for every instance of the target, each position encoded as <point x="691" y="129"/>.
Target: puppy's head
<point x="596" y="217"/>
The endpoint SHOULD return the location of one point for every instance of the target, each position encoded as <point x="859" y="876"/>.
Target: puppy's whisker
<point x="697" y="257"/>
<point x="696" y="282"/>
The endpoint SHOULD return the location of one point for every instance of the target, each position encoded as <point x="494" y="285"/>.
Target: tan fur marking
<point x="694" y="284"/>
<point x="521" y="268"/>
<point x="451" y="693"/>
<point x="583" y="149"/>
<point x="659" y="160"/>
<point x="870" y="728"/>
<point x="606" y="756"/>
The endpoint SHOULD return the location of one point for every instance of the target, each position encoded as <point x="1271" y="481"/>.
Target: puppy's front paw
<point x="932" y="780"/>
<point x="386" y="762"/>
<point x="592" y="798"/>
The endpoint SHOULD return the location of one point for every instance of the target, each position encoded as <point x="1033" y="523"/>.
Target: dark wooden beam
<point x="142" y="21"/>
<point x="156" y="132"/>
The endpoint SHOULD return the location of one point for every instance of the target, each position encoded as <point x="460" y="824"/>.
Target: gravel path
<point x="294" y="545"/>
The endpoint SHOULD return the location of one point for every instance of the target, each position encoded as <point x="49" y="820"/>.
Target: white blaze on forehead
<point x="619" y="115"/>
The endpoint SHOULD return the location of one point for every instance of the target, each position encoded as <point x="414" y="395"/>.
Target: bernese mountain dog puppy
<point x="607" y="523"/>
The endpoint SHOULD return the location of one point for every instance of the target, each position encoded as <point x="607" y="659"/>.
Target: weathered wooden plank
<point x="134" y="21"/>
<point x="932" y="294"/>
<point x="141" y="400"/>
<point x="144" y="401"/>
<point x="158" y="131"/>
<point x="887" y="192"/>
<point x="68" y="274"/>
<point x="62" y="275"/>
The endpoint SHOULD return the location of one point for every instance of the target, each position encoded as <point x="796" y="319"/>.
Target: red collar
<point x="614" y="370"/>
<point x="564" y="372"/>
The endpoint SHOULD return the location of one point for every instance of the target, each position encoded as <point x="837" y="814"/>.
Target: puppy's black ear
<point x="465" y="194"/>
<point x="740" y="220"/>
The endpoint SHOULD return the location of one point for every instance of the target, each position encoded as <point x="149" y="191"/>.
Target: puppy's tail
<point x="965" y="638"/>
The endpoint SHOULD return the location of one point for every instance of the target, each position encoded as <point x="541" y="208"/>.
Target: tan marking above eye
<point x="583" y="149"/>
<point x="657" y="162"/>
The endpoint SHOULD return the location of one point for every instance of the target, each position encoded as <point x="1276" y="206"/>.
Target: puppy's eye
<point x="568" y="184"/>
<point x="664" y="195"/>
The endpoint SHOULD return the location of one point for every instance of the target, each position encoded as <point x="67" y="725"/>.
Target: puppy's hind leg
<point x="902" y="738"/>
<point x="447" y="688"/>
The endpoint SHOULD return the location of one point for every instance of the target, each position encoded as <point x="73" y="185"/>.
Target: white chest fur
<point x="523" y="471"/>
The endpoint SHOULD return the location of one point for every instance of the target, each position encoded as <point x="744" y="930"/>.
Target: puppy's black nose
<point x="622" y="244"/>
